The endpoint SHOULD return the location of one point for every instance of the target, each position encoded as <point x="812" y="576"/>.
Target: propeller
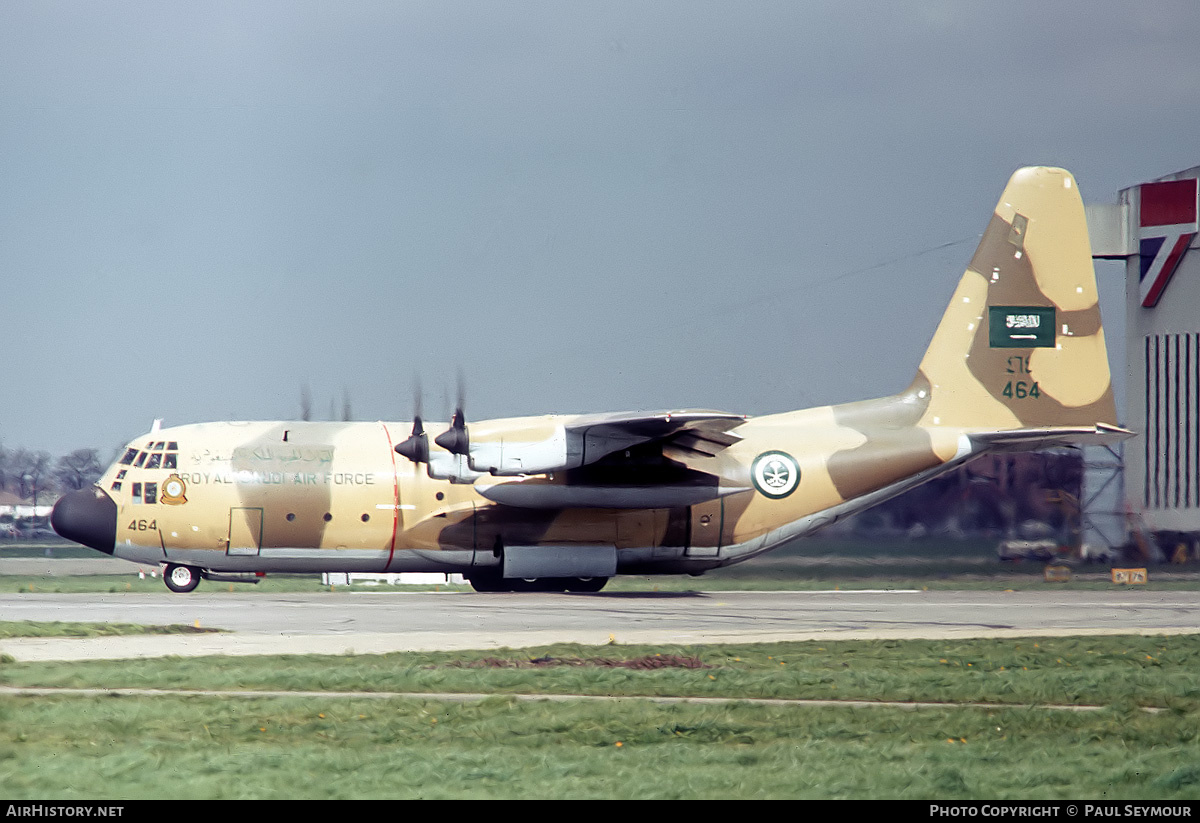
<point x="416" y="447"/>
<point x="455" y="439"/>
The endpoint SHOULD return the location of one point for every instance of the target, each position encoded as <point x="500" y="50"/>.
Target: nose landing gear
<point x="181" y="578"/>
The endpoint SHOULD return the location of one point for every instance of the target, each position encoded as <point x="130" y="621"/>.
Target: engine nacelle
<point x="452" y="467"/>
<point x="514" y="454"/>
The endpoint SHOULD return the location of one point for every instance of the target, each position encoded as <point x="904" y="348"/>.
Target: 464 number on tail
<point x="1021" y="390"/>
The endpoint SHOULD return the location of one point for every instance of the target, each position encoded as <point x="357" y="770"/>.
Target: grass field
<point x="166" y="747"/>
<point x="326" y="747"/>
<point x="61" y="628"/>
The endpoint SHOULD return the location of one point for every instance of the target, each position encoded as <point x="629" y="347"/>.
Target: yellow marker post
<point x="1129" y="577"/>
<point x="1057" y="574"/>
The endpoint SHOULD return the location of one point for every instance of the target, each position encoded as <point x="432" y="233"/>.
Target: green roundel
<point x="775" y="474"/>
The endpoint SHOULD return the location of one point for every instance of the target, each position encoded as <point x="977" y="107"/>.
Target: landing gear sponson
<point x="496" y="583"/>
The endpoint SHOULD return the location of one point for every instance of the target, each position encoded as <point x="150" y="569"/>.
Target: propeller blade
<point x="416" y="447"/>
<point x="454" y="439"/>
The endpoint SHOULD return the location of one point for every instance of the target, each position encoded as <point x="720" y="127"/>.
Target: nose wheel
<point x="181" y="578"/>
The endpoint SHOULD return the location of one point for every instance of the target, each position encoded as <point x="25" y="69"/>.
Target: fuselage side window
<point x="151" y="495"/>
<point x="136" y="493"/>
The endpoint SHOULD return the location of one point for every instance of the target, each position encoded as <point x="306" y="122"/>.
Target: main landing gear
<point x="496" y="583"/>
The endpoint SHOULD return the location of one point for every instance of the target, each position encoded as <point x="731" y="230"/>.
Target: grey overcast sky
<point x="584" y="206"/>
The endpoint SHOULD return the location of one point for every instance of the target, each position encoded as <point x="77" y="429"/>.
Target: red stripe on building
<point x="1168" y="203"/>
<point x="1168" y="268"/>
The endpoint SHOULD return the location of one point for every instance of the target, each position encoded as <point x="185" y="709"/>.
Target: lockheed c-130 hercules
<point x="565" y="502"/>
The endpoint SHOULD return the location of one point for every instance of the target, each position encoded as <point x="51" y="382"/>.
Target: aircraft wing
<point x="705" y="432"/>
<point x="539" y="445"/>
<point x="618" y="460"/>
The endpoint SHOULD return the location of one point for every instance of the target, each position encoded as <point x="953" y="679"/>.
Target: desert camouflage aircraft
<point x="557" y="503"/>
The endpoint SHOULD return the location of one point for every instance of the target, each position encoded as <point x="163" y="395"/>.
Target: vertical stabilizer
<point x="1021" y="345"/>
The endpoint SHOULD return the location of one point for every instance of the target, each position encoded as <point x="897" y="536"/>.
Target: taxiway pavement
<point x="346" y="622"/>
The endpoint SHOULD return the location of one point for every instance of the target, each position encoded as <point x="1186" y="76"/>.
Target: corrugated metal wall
<point x="1171" y="402"/>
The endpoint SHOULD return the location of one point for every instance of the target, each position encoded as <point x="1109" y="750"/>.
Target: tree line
<point x="32" y="474"/>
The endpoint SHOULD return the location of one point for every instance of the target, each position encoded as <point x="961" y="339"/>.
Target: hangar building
<point x="1153" y="228"/>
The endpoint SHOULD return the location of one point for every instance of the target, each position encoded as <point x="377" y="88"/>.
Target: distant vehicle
<point x="556" y="503"/>
<point x="1043" y="549"/>
<point x="1091" y="553"/>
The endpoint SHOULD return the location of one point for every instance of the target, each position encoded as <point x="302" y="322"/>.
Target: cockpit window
<point x="151" y="492"/>
<point x="160" y="454"/>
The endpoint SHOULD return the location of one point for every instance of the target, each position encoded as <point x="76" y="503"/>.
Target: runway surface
<point x="340" y="623"/>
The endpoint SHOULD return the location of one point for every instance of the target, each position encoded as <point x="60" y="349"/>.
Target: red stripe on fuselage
<point x="395" y="495"/>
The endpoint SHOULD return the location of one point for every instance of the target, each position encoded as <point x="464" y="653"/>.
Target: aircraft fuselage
<point x="294" y="496"/>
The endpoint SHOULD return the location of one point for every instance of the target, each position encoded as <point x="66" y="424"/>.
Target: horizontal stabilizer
<point x="1018" y="440"/>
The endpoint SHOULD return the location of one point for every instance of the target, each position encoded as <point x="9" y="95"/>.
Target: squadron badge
<point x="775" y="474"/>
<point x="173" y="489"/>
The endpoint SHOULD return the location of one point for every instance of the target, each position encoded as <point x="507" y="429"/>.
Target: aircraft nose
<point x="87" y="516"/>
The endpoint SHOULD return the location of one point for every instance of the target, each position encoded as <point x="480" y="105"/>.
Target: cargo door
<point x="708" y="524"/>
<point x="245" y="532"/>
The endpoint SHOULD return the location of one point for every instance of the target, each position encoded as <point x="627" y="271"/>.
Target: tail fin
<point x="1021" y="345"/>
